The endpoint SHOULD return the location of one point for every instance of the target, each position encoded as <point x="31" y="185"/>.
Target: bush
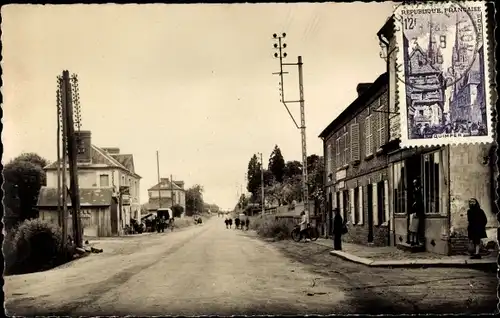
<point x="35" y="245"/>
<point x="279" y="229"/>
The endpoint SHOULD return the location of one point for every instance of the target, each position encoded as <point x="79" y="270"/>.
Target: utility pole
<point x="281" y="55"/>
<point x="72" y="156"/>
<point x="59" y="199"/>
<point x="159" y="179"/>
<point x="172" y="190"/>
<point x="64" y="133"/>
<point x="262" y="182"/>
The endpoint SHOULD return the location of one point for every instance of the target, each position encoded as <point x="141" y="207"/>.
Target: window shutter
<point x="368" y="136"/>
<point x="360" y="209"/>
<point x="355" y="142"/>
<point x="386" y="200"/>
<point x="375" y="125"/>
<point x="382" y="127"/>
<point x="342" y="152"/>
<point x="338" y="163"/>
<point x="352" y="206"/>
<point x="375" y="204"/>
<point x="341" y="203"/>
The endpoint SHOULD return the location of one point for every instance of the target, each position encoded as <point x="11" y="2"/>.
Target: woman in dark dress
<point x="338" y="226"/>
<point x="230" y="223"/>
<point x="477" y="225"/>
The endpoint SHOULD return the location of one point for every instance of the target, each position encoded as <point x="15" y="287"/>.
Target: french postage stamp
<point x="443" y="73"/>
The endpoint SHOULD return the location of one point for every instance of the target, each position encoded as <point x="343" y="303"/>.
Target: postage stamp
<point x="443" y="74"/>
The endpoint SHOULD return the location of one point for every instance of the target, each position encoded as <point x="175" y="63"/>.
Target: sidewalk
<point x="390" y="256"/>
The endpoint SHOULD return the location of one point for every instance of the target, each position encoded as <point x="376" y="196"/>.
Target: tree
<point x="316" y="174"/>
<point x="194" y="200"/>
<point x="177" y="211"/>
<point x="243" y="201"/>
<point x="253" y="175"/>
<point x="23" y="178"/>
<point x="293" y="168"/>
<point x="277" y="164"/>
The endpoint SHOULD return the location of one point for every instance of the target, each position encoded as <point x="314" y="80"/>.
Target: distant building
<point x="166" y="194"/>
<point x="109" y="188"/>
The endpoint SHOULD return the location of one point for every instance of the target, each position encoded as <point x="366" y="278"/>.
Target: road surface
<point x="209" y="269"/>
<point x="205" y="269"/>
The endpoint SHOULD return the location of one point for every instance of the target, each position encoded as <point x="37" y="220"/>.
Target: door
<point x="114" y="218"/>
<point x="330" y="213"/>
<point x="413" y="170"/>
<point x="369" y="193"/>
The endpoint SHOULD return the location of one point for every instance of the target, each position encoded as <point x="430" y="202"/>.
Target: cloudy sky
<point x="191" y="81"/>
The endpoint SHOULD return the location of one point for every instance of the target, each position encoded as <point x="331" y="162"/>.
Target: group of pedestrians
<point x="238" y="223"/>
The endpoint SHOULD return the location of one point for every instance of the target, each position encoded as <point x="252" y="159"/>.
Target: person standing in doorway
<point x="416" y="214"/>
<point x="476" y="229"/>
<point x="338" y="230"/>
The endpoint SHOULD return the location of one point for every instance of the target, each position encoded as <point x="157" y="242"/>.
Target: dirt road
<point x="205" y="269"/>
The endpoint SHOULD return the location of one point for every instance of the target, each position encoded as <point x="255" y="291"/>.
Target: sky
<point x="193" y="82"/>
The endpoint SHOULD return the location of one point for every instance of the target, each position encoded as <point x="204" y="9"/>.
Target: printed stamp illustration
<point x="443" y="86"/>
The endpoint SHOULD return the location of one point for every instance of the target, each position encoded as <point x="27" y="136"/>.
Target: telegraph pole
<point x="281" y="55"/>
<point x="172" y="190"/>
<point x="159" y="179"/>
<point x="59" y="199"/>
<point x="64" y="132"/>
<point x="262" y="182"/>
<point x="72" y="156"/>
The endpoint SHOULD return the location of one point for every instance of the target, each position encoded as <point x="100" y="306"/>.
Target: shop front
<point x="428" y="168"/>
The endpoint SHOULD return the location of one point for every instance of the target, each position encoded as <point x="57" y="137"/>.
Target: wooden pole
<point x="73" y="169"/>
<point x="159" y="179"/>
<point x="172" y="191"/>
<point x="64" y="186"/>
<point x="59" y="201"/>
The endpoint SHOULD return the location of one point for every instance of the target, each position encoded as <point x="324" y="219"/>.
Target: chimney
<point x="363" y="87"/>
<point x="180" y="184"/>
<point x="112" y="150"/>
<point x="83" y="139"/>
<point x="164" y="180"/>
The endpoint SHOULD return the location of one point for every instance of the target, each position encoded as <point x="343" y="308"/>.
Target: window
<point x="399" y="184"/>
<point x="104" y="180"/>
<point x="368" y="136"/>
<point x="329" y="155"/>
<point x="355" y="142"/>
<point x="431" y="181"/>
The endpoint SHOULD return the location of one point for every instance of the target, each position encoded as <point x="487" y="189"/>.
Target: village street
<point x="209" y="269"/>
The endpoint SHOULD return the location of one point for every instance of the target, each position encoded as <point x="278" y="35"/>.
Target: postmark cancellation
<point x="443" y="73"/>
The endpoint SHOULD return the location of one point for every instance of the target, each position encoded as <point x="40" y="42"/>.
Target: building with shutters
<point x="108" y="184"/>
<point x="356" y="165"/>
<point x="449" y="175"/>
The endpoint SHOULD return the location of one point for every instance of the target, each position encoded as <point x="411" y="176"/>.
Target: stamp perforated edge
<point x="488" y="78"/>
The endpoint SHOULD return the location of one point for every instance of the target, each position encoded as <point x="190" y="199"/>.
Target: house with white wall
<point x="166" y="194"/>
<point x="99" y="169"/>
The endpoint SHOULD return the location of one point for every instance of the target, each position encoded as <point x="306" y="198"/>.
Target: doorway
<point x="413" y="170"/>
<point x="369" y="193"/>
<point x="330" y="213"/>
